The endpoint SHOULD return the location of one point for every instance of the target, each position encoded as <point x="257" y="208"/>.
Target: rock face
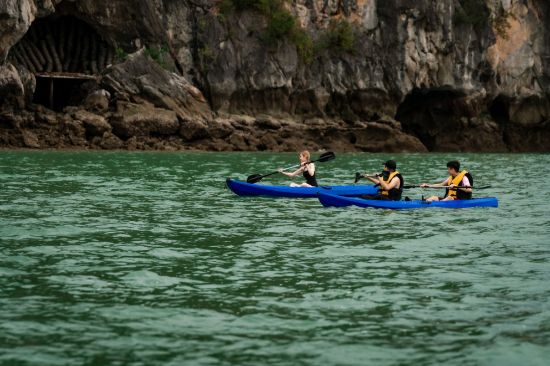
<point x="355" y="75"/>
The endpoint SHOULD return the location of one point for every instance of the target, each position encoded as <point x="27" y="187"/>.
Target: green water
<point x="146" y="258"/>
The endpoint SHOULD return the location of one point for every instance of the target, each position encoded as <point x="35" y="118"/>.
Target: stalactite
<point x="84" y="55"/>
<point x="62" y="45"/>
<point x="19" y="59"/>
<point x="69" y="46"/>
<point x="61" y="35"/>
<point x="53" y="53"/>
<point x="46" y="53"/>
<point x="32" y="57"/>
<point x="77" y="49"/>
<point x="47" y="31"/>
<point x="101" y="56"/>
<point x="26" y="59"/>
<point x="110" y="57"/>
<point x="93" y="56"/>
<point x="38" y="53"/>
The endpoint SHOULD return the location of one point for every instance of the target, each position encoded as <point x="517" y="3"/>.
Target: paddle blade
<point x="358" y="176"/>
<point x="326" y="157"/>
<point x="254" y="178"/>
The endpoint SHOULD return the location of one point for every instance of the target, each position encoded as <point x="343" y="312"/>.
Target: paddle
<point x="447" y="187"/>
<point x="359" y="176"/>
<point x="255" y="178"/>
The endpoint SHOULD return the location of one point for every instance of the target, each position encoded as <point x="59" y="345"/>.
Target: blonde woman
<point x="307" y="169"/>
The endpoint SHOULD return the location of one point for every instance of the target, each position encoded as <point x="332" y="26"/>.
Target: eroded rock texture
<point x="378" y="75"/>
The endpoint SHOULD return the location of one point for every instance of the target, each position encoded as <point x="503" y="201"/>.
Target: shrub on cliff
<point x="473" y="12"/>
<point x="476" y="13"/>
<point x="340" y="36"/>
<point x="304" y="44"/>
<point x="160" y="54"/>
<point x="500" y="22"/>
<point x="281" y="24"/>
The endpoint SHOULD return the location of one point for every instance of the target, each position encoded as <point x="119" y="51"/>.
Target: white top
<point x="465" y="181"/>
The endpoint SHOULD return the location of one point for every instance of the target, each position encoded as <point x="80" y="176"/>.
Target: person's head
<point x="453" y="167"/>
<point x="390" y="166"/>
<point x="304" y="156"/>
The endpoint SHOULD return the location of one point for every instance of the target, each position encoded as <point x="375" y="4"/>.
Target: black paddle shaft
<point x="447" y="187"/>
<point x="359" y="176"/>
<point x="255" y="178"/>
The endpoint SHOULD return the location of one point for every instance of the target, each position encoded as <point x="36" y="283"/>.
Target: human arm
<point x="294" y="173"/>
<point x="373" y="178"/>
<point x="394" y="183"/>
<point x="442" y="184"/>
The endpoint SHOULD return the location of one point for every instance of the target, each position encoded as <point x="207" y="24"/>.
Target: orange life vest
<point x="457" y="181"/>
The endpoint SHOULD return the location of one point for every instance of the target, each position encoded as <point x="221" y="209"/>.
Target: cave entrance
<point x="499" y="109"/>
<point x="64" y="53"/>
<point x="427" y="112"/>
<point x="57" y="91"/>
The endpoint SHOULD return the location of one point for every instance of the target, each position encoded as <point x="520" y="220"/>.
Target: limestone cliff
<point x="368" y="75"/>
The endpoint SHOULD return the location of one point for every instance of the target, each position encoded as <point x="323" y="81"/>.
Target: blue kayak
<point x="247" y="189"/>
<point x="332" y="200"/>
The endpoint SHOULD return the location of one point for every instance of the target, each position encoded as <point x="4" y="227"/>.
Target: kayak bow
<point x="332" y="200"/>
<point x="247" y="189"/>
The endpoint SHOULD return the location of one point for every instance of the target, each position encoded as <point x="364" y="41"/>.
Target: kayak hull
<point x="331" y="200"/>
<point x="247" y="189"/>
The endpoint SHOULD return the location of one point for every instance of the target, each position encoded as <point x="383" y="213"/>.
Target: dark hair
<point x="454" y="164"/>
<point x="391" y="164"/>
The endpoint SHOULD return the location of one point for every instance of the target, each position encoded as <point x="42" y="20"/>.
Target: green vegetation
<point x="476" y="13"/>
<point x="121" y="55"/>
<point x="304" y="45"/>
<point x="281" y="24"/>
<point x="206" y="56"/>
<point x="340" y="36"/>
<point x="472" y="12"/>
<point x="160" y="54"/>
<point x="501" y="23"/>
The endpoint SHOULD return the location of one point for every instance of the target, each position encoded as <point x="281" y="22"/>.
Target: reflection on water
<point x="146" y="258"/>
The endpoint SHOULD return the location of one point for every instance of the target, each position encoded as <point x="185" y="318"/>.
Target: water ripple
<point x="146" y="258"/>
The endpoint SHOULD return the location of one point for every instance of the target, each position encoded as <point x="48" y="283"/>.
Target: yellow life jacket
<point x="384" y="192"/>
<point x="456" y="181"/>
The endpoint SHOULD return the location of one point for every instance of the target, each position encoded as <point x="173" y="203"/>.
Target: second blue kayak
<point x="331" y="200"/>
<point x="248" y="189"/>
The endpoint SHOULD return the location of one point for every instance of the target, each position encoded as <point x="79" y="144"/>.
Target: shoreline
<point x="265" y="152"/>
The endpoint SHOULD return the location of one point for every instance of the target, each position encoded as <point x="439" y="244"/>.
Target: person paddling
<point x="306" y="168"/>
<point x="455" y="180"/>
<point x="390" y="182"/>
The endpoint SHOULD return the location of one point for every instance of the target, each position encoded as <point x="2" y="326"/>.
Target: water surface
<point x="146" y="258"/>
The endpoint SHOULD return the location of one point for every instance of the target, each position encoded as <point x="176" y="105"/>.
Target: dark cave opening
<point x="57" y="92"/>
<point x="427" y="112"/>
<point x="499" y="109"/>
<point x="62" y="44"/>
<point x="64" y="53"/>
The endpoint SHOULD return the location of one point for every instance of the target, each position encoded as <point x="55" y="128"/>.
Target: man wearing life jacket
<point x="390" y="182"/>
<point x="453" y="183"/>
